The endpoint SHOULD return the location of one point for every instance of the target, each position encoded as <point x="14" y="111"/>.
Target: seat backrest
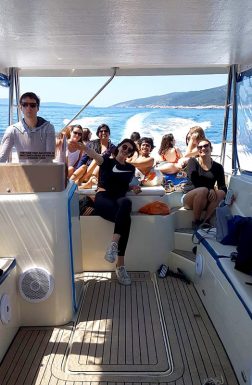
<point x="242" y="188"/>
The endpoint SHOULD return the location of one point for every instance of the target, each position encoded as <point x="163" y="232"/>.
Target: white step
<point x="183" y="218"/>
<point x="183" y="241"/>
<point x="185" y="265"/>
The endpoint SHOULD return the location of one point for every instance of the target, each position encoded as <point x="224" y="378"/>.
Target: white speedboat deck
<point x="154" y="331"/>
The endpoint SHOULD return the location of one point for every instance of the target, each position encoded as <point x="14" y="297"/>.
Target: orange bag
<point x="155" y="208"/>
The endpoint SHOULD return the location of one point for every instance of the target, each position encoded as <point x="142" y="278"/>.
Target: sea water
<point x="151" y="122"/>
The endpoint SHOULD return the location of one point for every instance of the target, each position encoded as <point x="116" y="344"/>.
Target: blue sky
<point x="80" y="90"/>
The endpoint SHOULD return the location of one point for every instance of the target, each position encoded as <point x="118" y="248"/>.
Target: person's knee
<point x="220" y="194"/>
<point x="125" y="204"/>
<point x="202" y="192"/>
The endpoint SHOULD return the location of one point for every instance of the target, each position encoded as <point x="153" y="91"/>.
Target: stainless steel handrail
<point x="90" y="100"/>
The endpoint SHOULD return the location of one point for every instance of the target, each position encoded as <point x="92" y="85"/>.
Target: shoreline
<point x="212" y="107"/>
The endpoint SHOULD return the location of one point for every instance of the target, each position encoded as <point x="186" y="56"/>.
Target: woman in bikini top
<point x="169" y="156"/>
<point x="168" y="152"/>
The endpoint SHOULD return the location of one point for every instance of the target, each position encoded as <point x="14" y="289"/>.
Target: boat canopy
<point x="151" y="37"/>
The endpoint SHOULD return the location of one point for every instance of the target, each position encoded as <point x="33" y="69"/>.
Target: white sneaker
<point x="112" y="252"/>
<point x="123" y="276"/>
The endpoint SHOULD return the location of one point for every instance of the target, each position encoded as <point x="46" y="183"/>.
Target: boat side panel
<point x="10" y="328"/>
<point x="34" y="230"/>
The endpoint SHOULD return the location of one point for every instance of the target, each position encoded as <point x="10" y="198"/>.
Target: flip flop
<point x="162" y="271"/>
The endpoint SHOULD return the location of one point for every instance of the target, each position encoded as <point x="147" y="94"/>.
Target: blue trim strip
<point x="70" y="196"/>
<point x="207" y="246"/>
<point x="244" y="172"/>
<point x="234" y="288"/>
<point x="8" y="271"/>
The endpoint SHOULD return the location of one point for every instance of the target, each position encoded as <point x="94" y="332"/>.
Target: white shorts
<point x="182" y="202"/>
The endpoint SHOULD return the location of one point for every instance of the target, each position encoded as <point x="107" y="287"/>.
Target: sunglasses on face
<point x="77" y="133"/>
<point x="102" y="131"/>
<point x="26" y="104"/>
<point x="203" y="146"/>
<point x="127" y="148"/>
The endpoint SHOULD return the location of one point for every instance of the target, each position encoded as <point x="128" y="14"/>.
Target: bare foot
<point x="92" y="181"/>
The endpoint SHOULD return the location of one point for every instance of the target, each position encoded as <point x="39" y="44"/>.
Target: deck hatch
<point x="120" y="330"/>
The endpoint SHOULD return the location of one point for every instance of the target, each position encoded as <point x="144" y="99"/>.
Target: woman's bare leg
<point x="89" y="184"/>
<point x="79" y="173"/>
<point x="220" y="195"/>
<point x="197" y="201"/>
<point x="89" y="172"/>
<point x="70" y="171"/>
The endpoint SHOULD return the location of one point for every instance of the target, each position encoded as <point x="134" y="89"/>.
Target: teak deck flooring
<point x="154" y="331"/>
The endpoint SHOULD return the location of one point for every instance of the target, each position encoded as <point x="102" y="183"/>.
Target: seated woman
<point x="87" y="169"/>
<point x="170" y="159"/>
<point x="110" y="202"/>
<point x="73" y="156"/>
<point x="200" y="192"/>
<point x="63" y="148"/>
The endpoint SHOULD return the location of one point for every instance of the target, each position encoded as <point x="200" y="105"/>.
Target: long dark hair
<point x="130" y="141"/>
<point x="166" y="143"/>
<point x="86" y="133"/>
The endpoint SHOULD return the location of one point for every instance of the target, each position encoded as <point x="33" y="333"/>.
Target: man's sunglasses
<point x="203" y="146"/>
<point x="32" y="105"/>
<point x="129" y="149"/>
<point x="101" y="131"/>
<point x="77" y="133"/>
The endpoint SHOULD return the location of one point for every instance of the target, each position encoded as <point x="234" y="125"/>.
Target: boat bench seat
<point x="221" y="253"/>
<point x="148" y="194"/>
<point x="155" y="191"/>
<point x="148" y="234"/>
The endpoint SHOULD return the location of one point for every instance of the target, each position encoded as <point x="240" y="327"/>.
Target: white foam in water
<point x="179" y="127"/>
<point x="135" y="123"/>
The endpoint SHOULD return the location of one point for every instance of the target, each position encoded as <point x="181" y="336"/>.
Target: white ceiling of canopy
<point x="90" y="37"/>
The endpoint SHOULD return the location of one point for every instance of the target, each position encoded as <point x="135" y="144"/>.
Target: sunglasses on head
<point x="129" y="149"/>
<point x="26" y="104"/>
<point x="77" y="133"/>
<point x="203" y="146"/>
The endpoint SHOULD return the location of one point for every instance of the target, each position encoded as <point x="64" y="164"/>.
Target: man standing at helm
<point x="33" y="137"/>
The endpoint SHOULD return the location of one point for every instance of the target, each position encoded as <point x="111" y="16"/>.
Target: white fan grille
<point x="36" y="285"/>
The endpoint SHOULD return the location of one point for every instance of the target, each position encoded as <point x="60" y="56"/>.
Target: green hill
<point x="205" y="98"/>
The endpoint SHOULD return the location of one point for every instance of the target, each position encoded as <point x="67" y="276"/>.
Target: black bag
<point x="86" y="206"/>
<point x="244" y="249"/>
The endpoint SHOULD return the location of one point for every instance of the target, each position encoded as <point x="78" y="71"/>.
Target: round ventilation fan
<point x="36" y="285"/>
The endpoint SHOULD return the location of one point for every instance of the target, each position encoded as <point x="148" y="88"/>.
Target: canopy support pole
<point x="90" y="100"/>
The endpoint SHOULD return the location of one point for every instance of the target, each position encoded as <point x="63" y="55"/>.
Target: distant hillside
<point x="5" y="102"/>
<point x="205" y="98"/>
